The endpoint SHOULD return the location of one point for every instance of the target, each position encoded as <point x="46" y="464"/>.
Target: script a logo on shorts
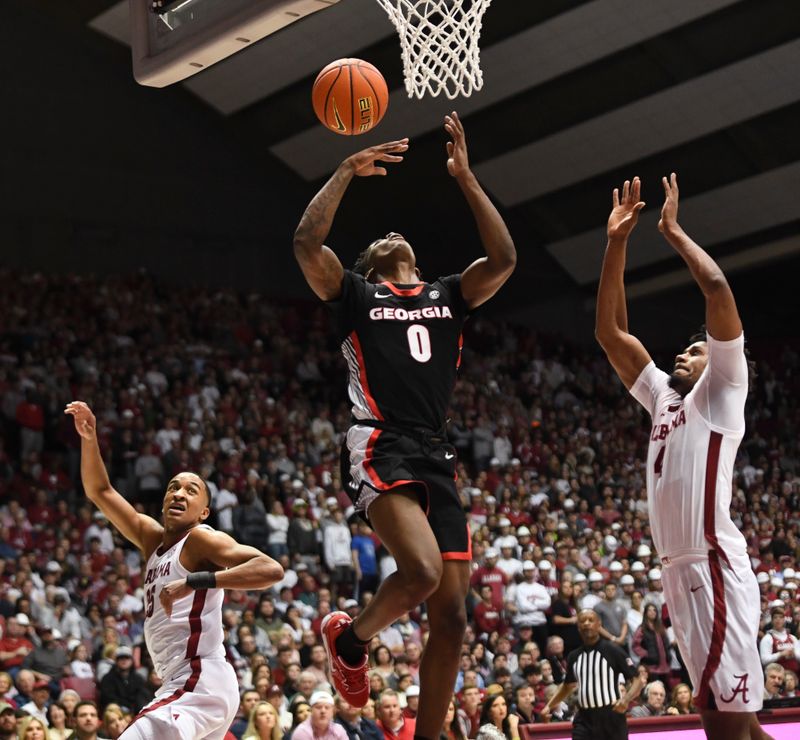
<point x="740" y="688"/>
<point x="434" y="294"/>
<point x="339" y="123"/>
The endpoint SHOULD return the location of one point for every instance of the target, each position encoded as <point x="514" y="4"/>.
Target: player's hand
<point x="625" y="210"/>
<point x="620" y="706"/>
<point x="363" y="163"/>
<point x="172" y="592"/>
<point x="457" y="159"/>
<point x="85" y="422"/>
<point x="669" y="211"/>
<point x="546" y="713"/>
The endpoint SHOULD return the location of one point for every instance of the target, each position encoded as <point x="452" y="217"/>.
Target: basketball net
<point x="439" y="40"/>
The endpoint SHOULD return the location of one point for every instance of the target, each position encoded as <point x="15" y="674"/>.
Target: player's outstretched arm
<point x="722" y="316"/>
<point x="484" y="277"/>
<point x="319" y="264"/>
<point x="143" y="531"/>
<point x="216" y="560"/>
<point x="624" y="351"/>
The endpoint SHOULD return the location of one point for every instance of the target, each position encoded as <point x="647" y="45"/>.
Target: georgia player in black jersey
<point x="402" y="341"/>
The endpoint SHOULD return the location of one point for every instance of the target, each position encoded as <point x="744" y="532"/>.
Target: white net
<point x="439" y="40"/>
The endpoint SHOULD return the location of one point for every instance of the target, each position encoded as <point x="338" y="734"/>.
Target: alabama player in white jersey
<point x="697" y="423"/>
<point x="188" y="566"/>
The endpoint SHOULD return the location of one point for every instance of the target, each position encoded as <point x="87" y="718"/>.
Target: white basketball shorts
<point x="200" y="703"/>
<point x="715" y="610"/>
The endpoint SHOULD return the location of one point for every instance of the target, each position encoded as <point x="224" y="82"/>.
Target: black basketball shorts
<point x="376" y="461"/>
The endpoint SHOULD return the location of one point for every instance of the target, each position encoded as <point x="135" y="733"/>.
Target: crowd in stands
<point x="251" y="395"/>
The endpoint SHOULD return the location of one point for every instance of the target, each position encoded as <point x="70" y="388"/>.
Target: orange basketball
<point x="350" y="96"/>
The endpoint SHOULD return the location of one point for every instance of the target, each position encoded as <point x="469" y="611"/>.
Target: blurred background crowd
<point x="251" y="395"/>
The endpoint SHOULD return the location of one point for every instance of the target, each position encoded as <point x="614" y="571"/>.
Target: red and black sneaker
<point x="352" y="682"/>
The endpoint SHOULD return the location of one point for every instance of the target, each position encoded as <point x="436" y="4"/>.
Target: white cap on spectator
<point x="776" y="602"/>
<point x="791" y="585"/>
<point x="331" y="501"/>
<point x="320" y="697"/>
<point x="504" y="521"/>
<point x="490" y="552"/>
<point x="579" y="578"/>
<point x="474" y="491"/>
<point x="99" y="515"/>
<point x="562" y="525"/>
<point x="615" y="566"/>
<point x="654" y="575"/>
<point x="350" y="603"/>
<point x="523" y="531"/>
<point x="643" y="551"/>
<point x="763" y="577"/>
<point x="23" y="620"/>
<point x="516" y="461"/>
<point x="637" y="567"/>
<point x="549" y="550"/>
<point x="494" y="461"/>
<point x="528" y="565"/>
<point x="776" y="581"/>
<point x="611" y="542"/>
<point x="297" y="483"/>
<point x="595" y="577"/>
<point x="490" y="499"/>
<point x="616" y="527"/>
<point x="412" y="690"/>
<point x="545" y="565"/>
<point x="123" y="651"/>
<point x="587" y="531"/>
<point x="53" y="567"/>
<point x="626" y="580"/>
<point x="789" y="573"/>
<point x="569" y="503"/>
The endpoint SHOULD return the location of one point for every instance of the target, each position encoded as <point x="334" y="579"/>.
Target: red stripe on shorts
<point x="188" y="687"/>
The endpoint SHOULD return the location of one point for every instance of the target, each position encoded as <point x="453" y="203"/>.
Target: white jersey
<point x="693" y="443"/>
<point x="195" y="628"/>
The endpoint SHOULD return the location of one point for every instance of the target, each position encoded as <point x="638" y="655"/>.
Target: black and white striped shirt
<point x="597" y="669"/>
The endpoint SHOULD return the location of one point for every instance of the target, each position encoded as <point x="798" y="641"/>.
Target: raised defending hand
<point x="172" y="592"/>
<point x="85" y="422"/>
<point x="363" y="162"/>
<point x="669" y="211"/>
<point x="625" y="211"/>
<point x="457" y="160"/>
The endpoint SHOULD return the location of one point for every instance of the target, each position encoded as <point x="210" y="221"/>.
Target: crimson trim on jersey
<point x="362" y="371"/>
<point x="717" y="633"/>
<point x="460" y="347"/>
<point x="196" y="623"/>
<point x="405" y="291"/>
<point x="188" y="687"/>
<point x="710" y="495"/>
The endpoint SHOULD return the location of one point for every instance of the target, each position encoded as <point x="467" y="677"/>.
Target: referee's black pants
<point x="599" y="724"/>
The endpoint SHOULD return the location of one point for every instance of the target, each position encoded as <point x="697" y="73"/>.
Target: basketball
<point x="350" y="96"/>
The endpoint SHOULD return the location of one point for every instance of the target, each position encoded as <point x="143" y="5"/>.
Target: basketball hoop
<point x="439" y="40"/>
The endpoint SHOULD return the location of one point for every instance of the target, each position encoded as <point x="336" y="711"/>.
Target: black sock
<point x="350" y="648"/>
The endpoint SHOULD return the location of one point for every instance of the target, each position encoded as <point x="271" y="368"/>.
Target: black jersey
<point x="402" y="344"/>
<point x="597" y="669"/>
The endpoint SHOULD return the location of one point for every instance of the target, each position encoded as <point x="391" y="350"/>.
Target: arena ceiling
<point x="578" y="96"/>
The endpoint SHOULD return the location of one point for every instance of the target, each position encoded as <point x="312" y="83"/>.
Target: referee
<point x="594" y="670"/>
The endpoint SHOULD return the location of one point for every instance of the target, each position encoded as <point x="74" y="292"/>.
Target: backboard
<point x="174" y="39"/>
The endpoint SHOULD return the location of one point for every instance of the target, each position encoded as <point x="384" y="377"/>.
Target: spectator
<point x="87" y="721"/>
<point x="565" y="617"/>
<point x="14" y="645"/>
<point x="8" y="722"/>
<point x="650" y="643"/>
<point x="301" y="711"/>
<point x="412" y="702"/>
<point x="250" y="521"/>
<point x="790" y="685"/>
<point x="264" y="723"/>
<point x="490" y="575"/>
<point x="655" y="695"/>
<point x="115" y="721"/>
<point x="278" y="531"/>
<point x="302" y="536"/>
<point x="681" y="701"/>
<point x="470" y="709"/>
<point x="33" y="728"/>
<point x="355" y="725"/>
<point x="390" y="717"/>
<point x="778" y="644"/>
<point x="57" y="722"/>
<point x="613" y="616"/>
<point x="320" y="725"/>
<point x="774" y="674"/>
<point x="337" y="548"/>
<point x="366" y="562"/>
<point x="37" y="706"/>
<point x="453" y="728"/>
<point x="48" y="660"/>
<point x="123" y="685"/>
<point x="523" y="704"/>
<point x="530" y="603"/>
<point x="495" y="712"/>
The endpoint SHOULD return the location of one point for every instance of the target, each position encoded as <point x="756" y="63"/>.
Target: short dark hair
<point x="84" y="703"/>
<point x="362" y="264"/>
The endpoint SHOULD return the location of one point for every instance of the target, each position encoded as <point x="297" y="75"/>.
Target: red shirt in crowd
<point x="495" y="579"/>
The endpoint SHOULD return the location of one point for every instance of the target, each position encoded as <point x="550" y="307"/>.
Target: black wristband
<point x="201" y="580"/>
